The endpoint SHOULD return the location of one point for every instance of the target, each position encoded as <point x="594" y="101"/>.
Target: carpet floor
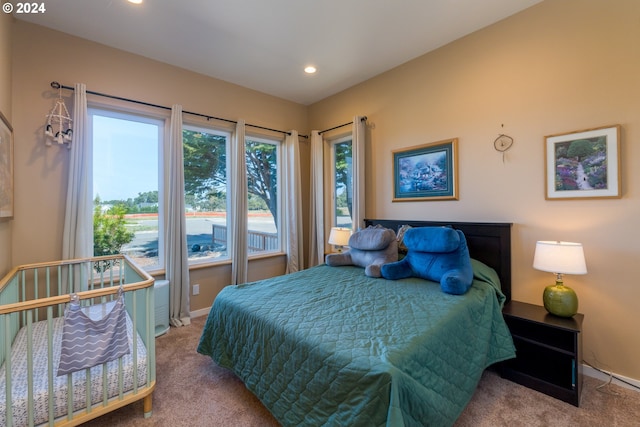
<point x="191" y="390"/>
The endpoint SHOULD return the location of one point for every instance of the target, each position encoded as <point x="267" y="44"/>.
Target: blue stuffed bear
<point x="439" y="254"/>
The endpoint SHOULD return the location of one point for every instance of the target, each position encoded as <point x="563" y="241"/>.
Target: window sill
<point x="204" y="265"/>
<point x="267" y="255"/>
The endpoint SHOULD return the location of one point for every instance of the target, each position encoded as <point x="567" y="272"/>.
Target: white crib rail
<point x="36" y="292"/>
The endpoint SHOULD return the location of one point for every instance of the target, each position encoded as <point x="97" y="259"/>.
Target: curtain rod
<point x="57" y="85"/>
<point x="342" y="125"/>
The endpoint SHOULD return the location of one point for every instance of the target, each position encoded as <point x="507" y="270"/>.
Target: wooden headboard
<point x="488" y="242"/>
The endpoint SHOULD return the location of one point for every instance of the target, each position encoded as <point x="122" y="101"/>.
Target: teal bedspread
<point x="330" y="346"/>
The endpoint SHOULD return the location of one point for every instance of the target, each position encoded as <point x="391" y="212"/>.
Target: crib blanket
<point x="41" y="375"/>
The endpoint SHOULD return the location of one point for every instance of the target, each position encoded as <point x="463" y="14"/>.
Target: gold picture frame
<point x="583" y="164"/>
<point x="6" y="168"/>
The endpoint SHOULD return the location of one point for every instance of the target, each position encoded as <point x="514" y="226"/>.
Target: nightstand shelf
<point x="548" y="351"/>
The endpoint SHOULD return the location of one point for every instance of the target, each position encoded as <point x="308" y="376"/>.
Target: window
<point x="205" y="187"/>
<point x="128" y="218"/>
<point x="126" y="188"/>
<point x="206" y="194"/>
<point x="264" y="204"/>
<point x="341" y="182"/>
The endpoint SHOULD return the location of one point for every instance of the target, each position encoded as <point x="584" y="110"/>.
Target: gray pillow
<point x="369" y="248"/>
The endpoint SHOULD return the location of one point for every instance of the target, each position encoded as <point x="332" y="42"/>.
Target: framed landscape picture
<point x="426" y="172"/>
<point x="583" y="164"/>
<point x="6" y="168"/>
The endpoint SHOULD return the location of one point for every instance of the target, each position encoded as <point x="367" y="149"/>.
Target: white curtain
<point x="293" y="204"/>
<point x="358" y="143"/>
<point x="175" y="230"/>
<point x="77" y="236"/>
<point x="238" y="199"/>
<point x="316" y="208"/>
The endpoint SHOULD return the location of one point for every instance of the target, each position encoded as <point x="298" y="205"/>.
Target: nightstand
<point x="548" y="351"/>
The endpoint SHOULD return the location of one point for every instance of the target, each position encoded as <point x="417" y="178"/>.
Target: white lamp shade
<point x="559" y="257"/>
<point x="339" y="236"/>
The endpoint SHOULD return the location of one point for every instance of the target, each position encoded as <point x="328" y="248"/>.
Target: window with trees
<point x="205" y="192"/>
<point x="342" y="182"/>
<point x="128" y="218"/>
<point x="126" y="186"/>
<point x="264" y="205"/>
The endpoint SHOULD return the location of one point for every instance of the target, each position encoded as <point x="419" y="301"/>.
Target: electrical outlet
<point x="196" y="289"/>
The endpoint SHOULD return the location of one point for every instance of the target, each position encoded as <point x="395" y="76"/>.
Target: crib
<point x="33" y="299"/>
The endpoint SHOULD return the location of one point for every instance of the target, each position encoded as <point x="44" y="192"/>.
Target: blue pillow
<point x="439" y="254"/>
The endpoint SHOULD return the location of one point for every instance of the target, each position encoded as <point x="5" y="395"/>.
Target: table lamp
<point x="560" y="258"/>
<point x="339" y="237"/>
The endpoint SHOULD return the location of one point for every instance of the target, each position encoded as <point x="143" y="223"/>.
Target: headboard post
<point x="488" y="242"/>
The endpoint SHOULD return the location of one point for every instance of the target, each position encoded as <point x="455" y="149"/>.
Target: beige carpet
<point x="192" y="391"/>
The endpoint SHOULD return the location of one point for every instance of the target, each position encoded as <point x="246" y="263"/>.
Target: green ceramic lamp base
<point x="560" y="300"/>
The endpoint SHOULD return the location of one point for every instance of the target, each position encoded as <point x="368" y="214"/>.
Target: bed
<point x="330" y="346"/>
<point x="33" y="299"/>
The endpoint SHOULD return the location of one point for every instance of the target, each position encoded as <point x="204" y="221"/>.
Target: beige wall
<point x="40" y="56"/>
<point x="6" y="225"/>
<point x="557" y="67"/>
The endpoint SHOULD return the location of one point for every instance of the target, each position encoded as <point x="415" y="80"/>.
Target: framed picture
<point x="6" y="168"/>
<point x="583" y="164"/>
<point x="426" y="172"/>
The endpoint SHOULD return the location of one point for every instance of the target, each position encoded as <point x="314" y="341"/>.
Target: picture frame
<point x="583" y="164"/>
<point x="426" y="172"/>
<point x="6" y="168"/>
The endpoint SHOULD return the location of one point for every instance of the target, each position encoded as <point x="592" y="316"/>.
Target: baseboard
<point x="201" y="312"/>
<point x="633" y="384"/>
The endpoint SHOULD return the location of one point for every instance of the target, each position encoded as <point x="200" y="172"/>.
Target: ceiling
<point x="265" y="44"/>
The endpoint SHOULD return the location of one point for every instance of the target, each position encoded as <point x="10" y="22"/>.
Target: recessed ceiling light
<point x="135" y="1"/>
<point x="310" y="69"/>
